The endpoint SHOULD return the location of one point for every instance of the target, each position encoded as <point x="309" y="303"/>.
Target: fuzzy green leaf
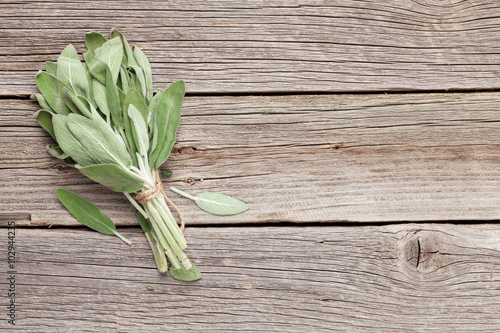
<point x="111" y="53"/>
<point x="133" y="97"/>
<point x="94" y="40"/>
<point x="215" y="203"/>
<point x="113" y="176"/>
<point x="128" y="54"/>
<point x="98" y="138"/>
<point x="56" y="151"/>
<point x="100" y="96"/>
<point x="140" y="83"/>
<point x="96" y="67"/>
<point x="143" y="62"/>
<point x="114" y="104"/>
<point x="51" y="67"/>
<point x="183" y="274"/>
<point x="71" y="71"/>
<point x="52" y="90"/>
<point x="220" y="204"/>
<point x="69" y="143"/>
<point x="42" y="102"/>
<point x="168" y="118"/>
<point x="139" y="130"/>
<point x="87" y="213"/>
<point x="44" y="118"/>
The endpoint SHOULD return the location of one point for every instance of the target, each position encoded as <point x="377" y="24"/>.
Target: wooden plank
<point x="394" y="278"/>
<point x="304" y="158"/>
<point x="273" y="46"/>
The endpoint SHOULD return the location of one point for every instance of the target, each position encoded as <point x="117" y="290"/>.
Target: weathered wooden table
<point x="365" y="135"/>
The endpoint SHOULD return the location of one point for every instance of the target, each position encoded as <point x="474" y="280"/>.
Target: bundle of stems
<point x="109" y="124"/>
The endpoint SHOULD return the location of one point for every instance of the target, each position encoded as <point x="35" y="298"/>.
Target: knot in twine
<point x="148" y="195"/>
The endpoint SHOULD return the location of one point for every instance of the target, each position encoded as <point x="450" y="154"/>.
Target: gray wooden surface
<point x="264" y="122"/>
<point x="272" y="46"/>
<point x="394" y="278"/>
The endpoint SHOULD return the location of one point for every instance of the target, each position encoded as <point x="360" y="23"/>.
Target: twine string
<point x="148" y="195"/>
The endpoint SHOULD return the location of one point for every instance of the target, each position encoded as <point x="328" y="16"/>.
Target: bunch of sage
<point x="109" y="124"/>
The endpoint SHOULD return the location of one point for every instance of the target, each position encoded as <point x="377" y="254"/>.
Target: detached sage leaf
<point x="88" y="213"/>
<point x="216" y="203"/>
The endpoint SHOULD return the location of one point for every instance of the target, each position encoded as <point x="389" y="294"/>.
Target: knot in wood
<point x="148" y="195"/>
<point x="421" y="251"/>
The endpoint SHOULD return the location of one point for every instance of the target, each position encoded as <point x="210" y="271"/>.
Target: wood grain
<point x="269" y="46"/>
<point x="358" y="158"/>
<point x="394" y="278"/>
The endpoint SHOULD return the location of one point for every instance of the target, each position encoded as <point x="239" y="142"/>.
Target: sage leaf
<point x="42" y="102"/>
<point x="143" y="62"/>
<point x="113" y="99"/>
<point x="140" y="79"/>
<point x="100" y="96"/>
<point x="168" y="118"/>
<point x="111" y="53"/>
<point x="76" y="104"/>
<point x="69" y="143"/>
<point x="183" y="274"/>
<point x="128" y="58"/>
<point x="51" y="89"/>
<point x="96" y="67"/>
<point x="44" y="118"/>
<point x="95" y="136"/>
<point x="87" y="213"/>
<point x="113" y="176"/>
<point x="71" y="71"/>
<point x="57" y="152"/>
<point x="139" y="130"/>
<point x="216" y="203"/>
<point x="94" y="40"/>
<point x="51" y="67"/>
<point x="134" y="97"/>
<point x="149" y="288"/>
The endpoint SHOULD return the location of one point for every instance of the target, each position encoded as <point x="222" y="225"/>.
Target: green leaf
<point x="140" y="79"/>
<point x="113" y="176"/>
<point x="51" y="67"/>
<point x="129" y="55"/>
<point x="51" y="89"/>
<point x="41" y="101"/>
<point x="87" y="213"/>
<point x="96" y="67"/>
<point x="144" y="223"/>
<point x="149" y="288"/>
<point x="139" y="130"/>
<point x="216" y="203"/>
<point x="44" y="118"/>
<point x="125" y="86"/>
<point x="69" y="143"/>
<point x="98" y="138"/>
<point x="71" y="71"/>
<point x="56" y="151"/>
<point x="111" y="53"/>
<point x="133" y="97"/>
<point x="94" y="40"/>
<point x="114" y="104"/>
<point x="76" y="104"/>
<point x="168" y="118"/>
<point x="143" y="62"/>
<point x="186" y="275"/>
<point x="100" y="96"/>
